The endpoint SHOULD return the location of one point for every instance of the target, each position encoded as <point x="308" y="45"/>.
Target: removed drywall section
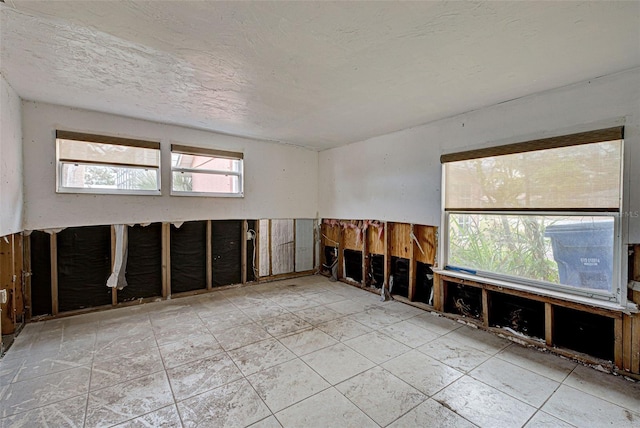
<point x="264" y="248"/>
<point x="11" y="164"/>
<point x="280" y="181"/>
<point x="144" y="263"/>
<point x="226" y="252"/>
<point x="304" y="245"/>
<point x="282" y="247"/>
<point x="188" y="245"/>
<point x="84" y="264"/>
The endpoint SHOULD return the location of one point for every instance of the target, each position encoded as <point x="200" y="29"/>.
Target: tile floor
<point x="297" y="353"/>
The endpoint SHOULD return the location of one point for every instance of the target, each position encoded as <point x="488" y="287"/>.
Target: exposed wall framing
<point x="12" y="281"/>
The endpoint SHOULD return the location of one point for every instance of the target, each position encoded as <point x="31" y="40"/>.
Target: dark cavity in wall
<point x="522" y="315"/>
<point x="40" y="273"/>
<point x="464" y="300"/>
<point x="353" y="265"/>
<point x="400" y="273"/>
<point x="376" y="270"/>
<point x="584" y="332"/>
<point x="84" y="265"/>
<point x="226" y="252"/>
<point x="188" y="256"/>
<point x="144" y="263"/>
<point x="424" y="283"/>
<point x="252" y="274"/>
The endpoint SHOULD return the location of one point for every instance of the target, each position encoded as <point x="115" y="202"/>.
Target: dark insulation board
<point x="188" y="256"/>
<point x="144" y="263"/>
<point x="251" y="249"/>
<point x="40" y="273"/>
<point x="353" y="265"/>
<point x="400" y="272"/>
<point x="226" y="252"/>
<point x="84" y="265"/>
<point x="424" y="282"/>
<point x="584" y="332"/>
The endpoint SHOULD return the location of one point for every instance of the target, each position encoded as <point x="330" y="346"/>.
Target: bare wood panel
<point x="485" y="307"/>
<point x="366" y="260"/>
<point x="635" y="344"/>
<point x="388" y="232"/>
<point x="340" y="253"/>
<point x="626" y="342"/>
<point x="548" y="324"/>
<point x="400" y="240"/>
<point x="412" y="267"/>
<point x="352" y="239"/>
<point x="439" y="293"/>
<point x="375" y="242"/>
<point x="26" y="275"/>
<point x="426" y="236"/>
<point x="6" y="275"/>
<point x="330" y="234"/>
<point x="618" y="346"/>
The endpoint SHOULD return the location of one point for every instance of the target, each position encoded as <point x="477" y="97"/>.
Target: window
<point x="544" y="213"/>
<point x="97" y="164"/>
<point x="206" y="172"/>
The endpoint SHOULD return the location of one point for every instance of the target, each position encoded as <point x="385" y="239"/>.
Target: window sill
<point x="582" y="300"/>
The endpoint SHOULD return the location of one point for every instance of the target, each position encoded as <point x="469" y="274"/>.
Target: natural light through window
<point x="206" y="172"/>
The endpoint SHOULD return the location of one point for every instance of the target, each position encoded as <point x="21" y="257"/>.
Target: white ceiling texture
<point x="315" y="74"/>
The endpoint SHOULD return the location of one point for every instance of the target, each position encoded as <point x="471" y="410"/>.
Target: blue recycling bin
<point x="584" y="253"/>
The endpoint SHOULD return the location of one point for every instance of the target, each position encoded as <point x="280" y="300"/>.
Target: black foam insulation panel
<point x="400" y="272"/>
<point x="84" y="265"/>
<point x="40" y="273"/>
<point x="144" y="263"/>
<point x="464" y="300"/>
<point x="376" y="270"/>
<point x="519" y="314"/>
<point x="188" y="249"/>
<point x="226" y="252"/>
<point x="424" y="283"/>
<point x="251" y="256"/>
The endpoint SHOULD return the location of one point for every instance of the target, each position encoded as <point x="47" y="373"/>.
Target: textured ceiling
<point x="317" y="74"/>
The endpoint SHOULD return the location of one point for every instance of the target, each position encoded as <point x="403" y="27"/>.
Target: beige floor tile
<point x="435" y="323"/>
<point x="261" y="355"/>
<point x="344" y="329"/>
<point x="41" y="391"/>
<point x="431" y="414"/>
<point x="66" y="413"/>
<point x="40" y="364"/>
<point x="128" y="400"/>
<point x="264" y="310"/>
<point x="603" y="385"/>
<point x="484" y="405"/>
<point x="347" y="307"/>
<point x="227" y="321"/>
<point x="377" y="347"/>
<point x="543" y="363"/>
<point x="167" y="417"/>
<point x="190" y="348"/>
<point x="422" y="372"/>
<point x="454" y="354"/>
<point x="328" y="408"/>
<point x="318" y="315"/>
<point x="270" y="422"/>
<point x="479" y="339"/>
<point x="327" y="297"/>
<point x="409" y="334"/>
<point x="375" y="318"/>
<point x="337" y="363"/>
<point x="585" y="410"/>
<point x="284" y="324"/>
<point x="286" y="384"/>
<point x="520" y="383"/>
<point x="233" y="405"/>
<point x="199" y="376"/>
<point x="307" y="341"/>
<point x="545" y="420"/>
<point x="381" y="395"/>
<point x="125" y="367"/>
<point x="241" y="336"/>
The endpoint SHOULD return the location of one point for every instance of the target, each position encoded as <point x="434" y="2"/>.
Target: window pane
<point x="205" y="183"/>
<point x="204" y="162"/>
<point x="80" y="176"/>
<point x="107" y="153"/>
<point x="574" y="251"/>
<point x="583" y="176"/>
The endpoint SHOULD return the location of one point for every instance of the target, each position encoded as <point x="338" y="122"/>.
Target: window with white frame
<point x="544" y="213"/>
<point x="89" y="163"/>
<point x="206" y="172"/>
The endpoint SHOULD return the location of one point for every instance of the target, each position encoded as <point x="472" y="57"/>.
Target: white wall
<point x="280" y="181"/>
<point x="397" y="177"/>
<point x="10" y="160"/>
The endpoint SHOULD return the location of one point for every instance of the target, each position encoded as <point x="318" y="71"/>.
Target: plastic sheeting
<point x="144" y="263"/>
<point x="264" y="263"/>
<point x="117" y="279"/>
<point x="226" y="252"/>
<point x="84" y="264"/>
<point x="282" y="246"/>
<point x="40" y="273"/>
<point x="188" y="256"/>
<point x="304" y="245"/>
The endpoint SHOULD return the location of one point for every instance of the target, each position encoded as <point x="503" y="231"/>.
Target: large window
<point x="544" y="213"/>
<point x="97" y="164"/>
<point x="206" y="172"/>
